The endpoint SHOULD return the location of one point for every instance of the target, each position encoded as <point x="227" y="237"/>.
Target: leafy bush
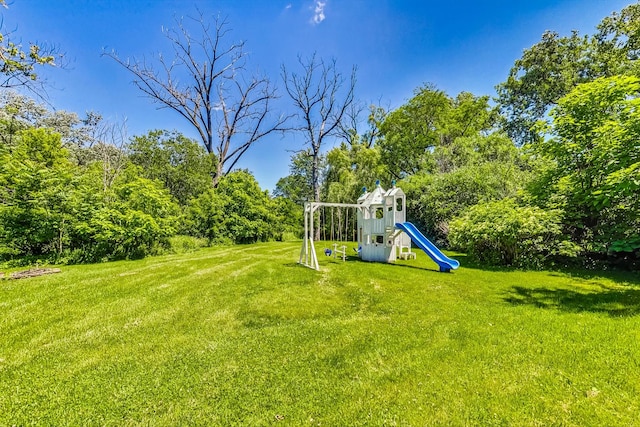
<point x="131" y="219"/>
<point x="288" y="236"/>
<point x="180" y="163"/>
<point x="35" y="181"/>
<point x="434" y="199"/>
<point x="7" y="253"/>
<point x="204" y="218"/>
<point x="122" y="233"/>
<point x="595" y="154"/>
<point x="503" y="233"/>
<point x="182" y="244"/>
<point x="289" y="221"/>
<point x="238" y="211"/>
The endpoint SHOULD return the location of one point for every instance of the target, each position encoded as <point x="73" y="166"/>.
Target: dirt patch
<point x="33" y="272"/>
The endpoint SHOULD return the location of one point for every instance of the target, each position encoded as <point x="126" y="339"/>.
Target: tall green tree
<point x="545" y="72"/>
<point x="35" y="194"/>
<point x="181" y="164"/>
<point x="618" y="39"/>
<point x="551" y="68"/>
<point x="410" y="134"/>
<point x="298" y="185"/>
<point x="595" y="155"/>
<point x="19" y="112"/>
<point x="349" y="168"/>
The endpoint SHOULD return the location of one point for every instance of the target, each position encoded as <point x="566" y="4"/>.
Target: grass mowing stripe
<point x="244" y="336"/>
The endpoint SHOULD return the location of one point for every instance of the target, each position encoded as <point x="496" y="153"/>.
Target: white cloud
<point x="318" y="13"/>
<point x="287" y="7"/>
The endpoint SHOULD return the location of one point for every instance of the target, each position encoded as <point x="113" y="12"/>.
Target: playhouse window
<point x="379" y="238"/>
<point x="399" y="204"/>
<point x="379" y="213"/>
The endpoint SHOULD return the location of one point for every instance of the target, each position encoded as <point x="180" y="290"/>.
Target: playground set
<point x="383" y="234"/>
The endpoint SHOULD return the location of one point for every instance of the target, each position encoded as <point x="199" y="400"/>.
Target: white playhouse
<point x="378" y="238"/>
<point x="383" y="233"/>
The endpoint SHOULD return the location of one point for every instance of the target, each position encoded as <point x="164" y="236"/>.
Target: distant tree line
<point x="547" y="172"/>
<point x="72" y="190"/>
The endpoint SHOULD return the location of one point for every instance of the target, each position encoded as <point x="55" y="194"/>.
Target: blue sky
<point x="458" y="45"/>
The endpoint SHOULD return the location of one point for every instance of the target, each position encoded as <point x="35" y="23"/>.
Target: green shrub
<point x="131" y="220"/>
<point x="288" y="236"/>
<point x="182" y="244"/>
<point x="35" y="194"/>
<point x="503" y="233"/>
<point x="7" y="253"/>
<point x="433" y="200"/>
<point x="237" y="211"/>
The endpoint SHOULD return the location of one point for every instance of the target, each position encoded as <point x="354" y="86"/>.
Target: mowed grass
<point x="245" y="336"/>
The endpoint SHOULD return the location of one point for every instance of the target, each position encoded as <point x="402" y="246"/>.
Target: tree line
<point x="546" y="172"/>
<point x="77" y="190"/>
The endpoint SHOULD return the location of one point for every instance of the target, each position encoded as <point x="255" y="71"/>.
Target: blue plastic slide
<point x="444" y="262"/>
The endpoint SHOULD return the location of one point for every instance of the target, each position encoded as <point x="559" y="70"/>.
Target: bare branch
<point x="204" y="82"/>
<point x="322" y="97"/>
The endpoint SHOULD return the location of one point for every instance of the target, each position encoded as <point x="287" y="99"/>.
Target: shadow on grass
<point x="622" y="276"/>
<point x="421" y="268"/>
<point x="613" y="302"/>
<point x="357" y="259"/>
<point x="468" y="262"/>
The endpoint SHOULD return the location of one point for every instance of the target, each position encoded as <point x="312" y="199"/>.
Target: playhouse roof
<point x="375" y="197"/>
<point x="394" y="191"/>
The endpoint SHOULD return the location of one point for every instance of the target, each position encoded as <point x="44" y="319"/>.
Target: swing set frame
<point x="308" y="256"/>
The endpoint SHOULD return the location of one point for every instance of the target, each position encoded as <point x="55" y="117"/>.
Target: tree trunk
<point x="316" y="187"/>
<point x="217" y="176"/>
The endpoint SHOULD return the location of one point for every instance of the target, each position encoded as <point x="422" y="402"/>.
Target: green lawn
<point x="245" y="336"/>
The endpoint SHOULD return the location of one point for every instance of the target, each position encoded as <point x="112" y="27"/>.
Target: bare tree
<point x="322" y="98"/>
<point x="206" y="82"/>
<point x="350" y="127"/>
<point x="109" y="146"/>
